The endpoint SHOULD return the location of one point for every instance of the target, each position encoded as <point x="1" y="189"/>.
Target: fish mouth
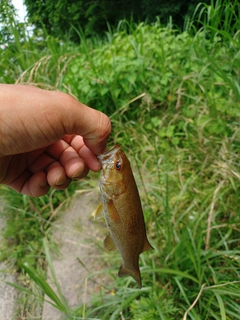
<point x="109" y="154"/>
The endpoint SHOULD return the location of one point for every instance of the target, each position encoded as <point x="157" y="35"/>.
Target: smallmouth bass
<point x="122" y="210"/>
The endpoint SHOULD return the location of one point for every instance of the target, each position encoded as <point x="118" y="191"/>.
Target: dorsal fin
<point x="147" y="245"/>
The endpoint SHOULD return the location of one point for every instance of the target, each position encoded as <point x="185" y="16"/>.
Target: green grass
<point x="174" y="103"/>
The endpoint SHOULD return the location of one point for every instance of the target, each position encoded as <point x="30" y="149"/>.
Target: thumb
<point x="94" y="126"/>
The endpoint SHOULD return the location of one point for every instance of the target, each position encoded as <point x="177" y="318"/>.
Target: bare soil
<point x="78" y="237"/>
<point x="7" y="293"/>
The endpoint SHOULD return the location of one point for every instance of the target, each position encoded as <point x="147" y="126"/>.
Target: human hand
<point x="47" y="138"/>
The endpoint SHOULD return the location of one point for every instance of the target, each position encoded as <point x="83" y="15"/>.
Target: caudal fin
<point x="135" y="273"/>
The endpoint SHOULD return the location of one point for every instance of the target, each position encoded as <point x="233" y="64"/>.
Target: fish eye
<point x="118" y="165"/>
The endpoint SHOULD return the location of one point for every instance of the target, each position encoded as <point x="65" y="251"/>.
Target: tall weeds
<point x="173" y="99"/>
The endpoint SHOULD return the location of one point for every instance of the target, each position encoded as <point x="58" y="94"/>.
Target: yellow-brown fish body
<point x="122" y="211"/>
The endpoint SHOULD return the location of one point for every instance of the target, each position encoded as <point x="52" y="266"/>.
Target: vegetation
<point x="7" y="13"/>
<point x="174" y="102"/>
<point x="63" y="18"/>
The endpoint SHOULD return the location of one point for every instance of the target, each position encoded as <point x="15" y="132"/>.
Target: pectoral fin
<point x="98" y="212"/>
<point x="112" y="212"/>
<point x="108" y="243"/>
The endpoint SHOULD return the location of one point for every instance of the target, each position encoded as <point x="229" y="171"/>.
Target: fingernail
<point x="44" y="184"/>
<point x="61" y="179"/>
<point x="80" y="173"/>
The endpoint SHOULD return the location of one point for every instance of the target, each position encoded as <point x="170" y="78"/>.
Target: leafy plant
<point x="28" y="221"/>
<point x="64" y="17"/>
<point x="173" y="99"/>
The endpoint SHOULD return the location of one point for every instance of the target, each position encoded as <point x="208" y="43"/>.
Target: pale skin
<point x="47" y="138"/>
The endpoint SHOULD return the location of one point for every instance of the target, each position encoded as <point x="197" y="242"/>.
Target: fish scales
<point x="122" y="211"/>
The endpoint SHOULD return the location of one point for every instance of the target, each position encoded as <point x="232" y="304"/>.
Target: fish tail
<point x="135" y="273"/>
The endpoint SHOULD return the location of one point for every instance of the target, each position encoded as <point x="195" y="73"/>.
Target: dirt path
<point x="77" y="235"/>
<point x="7" y="293"/>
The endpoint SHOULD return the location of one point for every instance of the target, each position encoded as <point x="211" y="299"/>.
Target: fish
<point x="122" y="210"/>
